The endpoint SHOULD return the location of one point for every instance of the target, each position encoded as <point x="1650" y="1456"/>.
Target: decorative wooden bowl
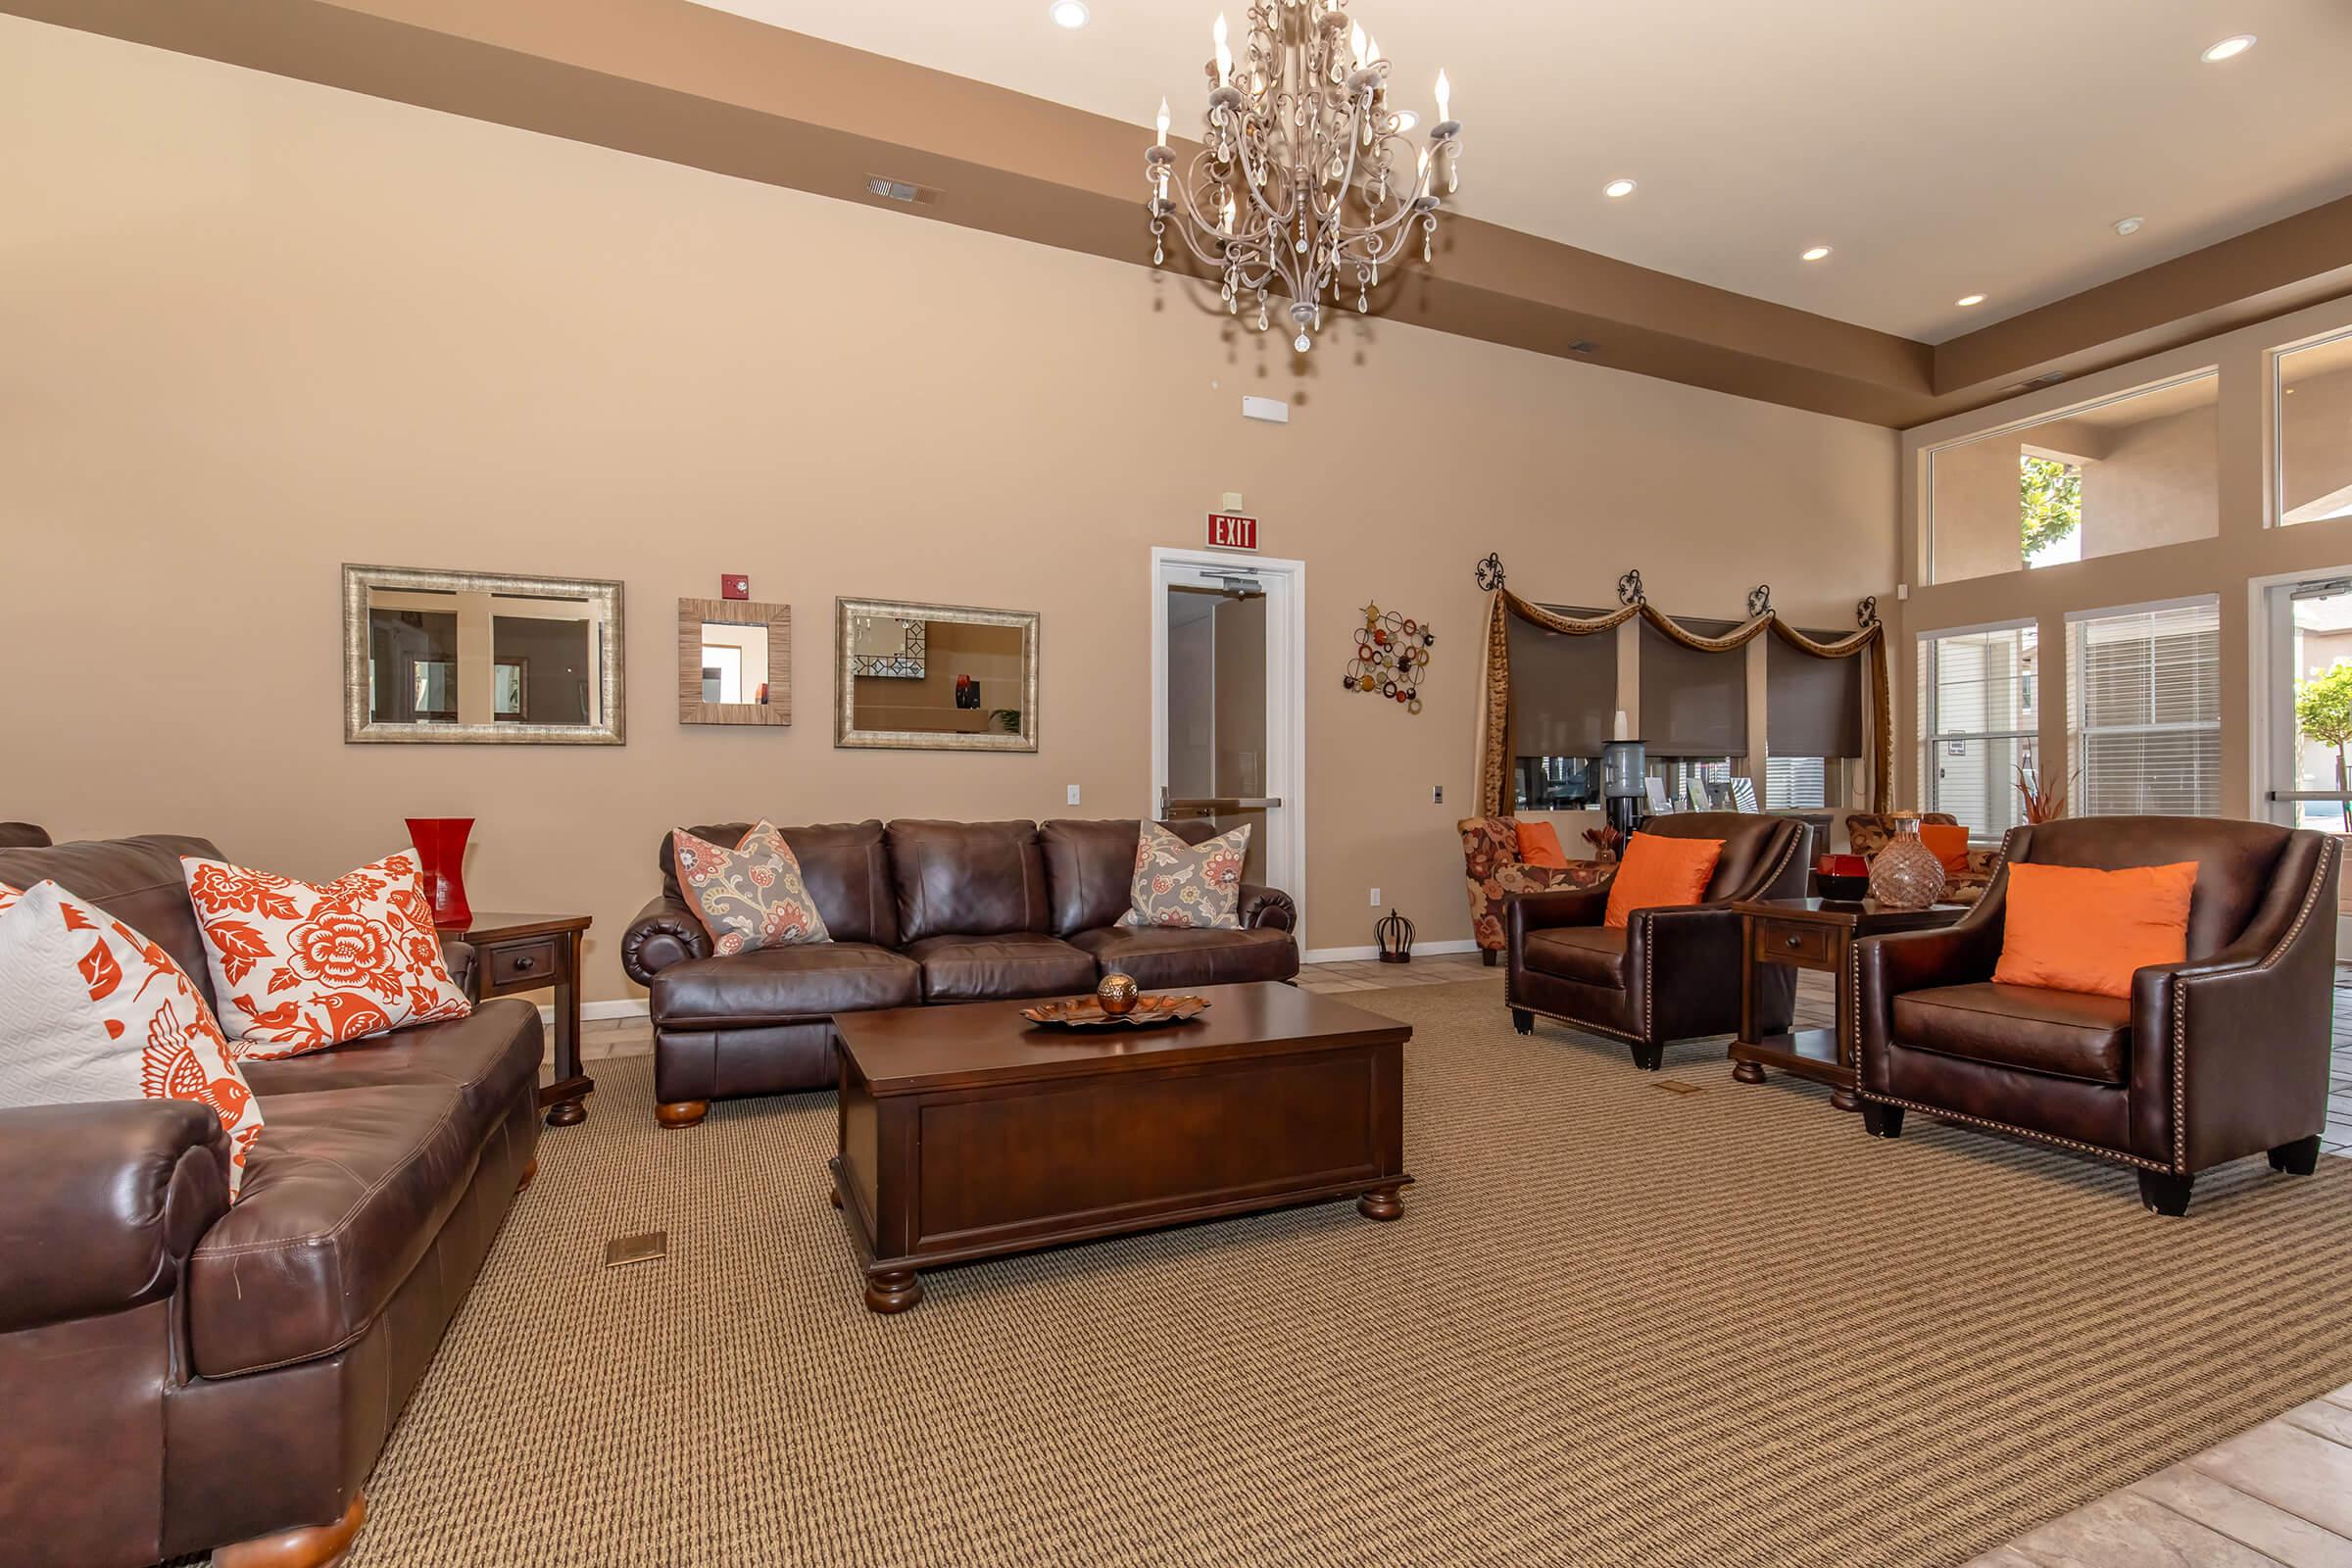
<point x="1086" y="1012"/>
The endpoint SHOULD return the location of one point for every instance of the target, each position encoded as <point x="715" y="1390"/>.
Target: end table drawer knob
<point x="1796" y="942"/>
<point x="526" y="962"/>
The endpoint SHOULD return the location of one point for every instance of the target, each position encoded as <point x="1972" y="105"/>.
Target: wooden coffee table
<point x="967" y="1132"/>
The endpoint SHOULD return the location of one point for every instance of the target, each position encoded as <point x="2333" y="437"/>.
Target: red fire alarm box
<point x="734" y="586"/>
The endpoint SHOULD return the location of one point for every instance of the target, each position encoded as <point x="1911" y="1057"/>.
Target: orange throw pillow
<point x="1540" y="845"/>
<point x="2071" y="928"/>
<point x="1948" y="843"/>
<point x="1657" y="872"/>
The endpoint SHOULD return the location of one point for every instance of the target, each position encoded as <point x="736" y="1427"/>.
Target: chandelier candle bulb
<point x="1224" y="53"/>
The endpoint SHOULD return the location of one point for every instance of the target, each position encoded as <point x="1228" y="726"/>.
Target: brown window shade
<point x="1563" y="688"/>
<point x="1693" y="704"/>
<point x="1812" y="706"/>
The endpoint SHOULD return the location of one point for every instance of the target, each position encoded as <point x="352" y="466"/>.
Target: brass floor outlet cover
<point x="1674" y="1087"/>
<point x="643" y="1247"/>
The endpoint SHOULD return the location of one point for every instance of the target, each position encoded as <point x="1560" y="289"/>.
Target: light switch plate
<point x="1074" y="795"/>
<point x="1376" y="897"/>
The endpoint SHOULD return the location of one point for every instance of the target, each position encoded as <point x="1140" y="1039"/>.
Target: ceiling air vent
<point x="898" y="190"/>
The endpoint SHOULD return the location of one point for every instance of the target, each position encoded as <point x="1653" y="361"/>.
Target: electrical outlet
<point x="1376" y="897"/>
<point x="1074" y="795"/>
<point x="1437" y="795"/>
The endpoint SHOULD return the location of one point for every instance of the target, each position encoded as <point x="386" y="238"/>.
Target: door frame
<point x="1286" y="701"/>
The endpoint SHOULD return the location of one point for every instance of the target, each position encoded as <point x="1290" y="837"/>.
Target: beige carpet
<point x="1616" y="1325"/>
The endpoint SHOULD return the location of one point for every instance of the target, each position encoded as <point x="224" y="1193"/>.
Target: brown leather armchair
<point x="2208" y="1060"/>
<point x="1670" y="973"/>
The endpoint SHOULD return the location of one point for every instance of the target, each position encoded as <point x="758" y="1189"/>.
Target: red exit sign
<point x="1230" y="530"/>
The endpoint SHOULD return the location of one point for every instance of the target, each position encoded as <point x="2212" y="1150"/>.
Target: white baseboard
<point x="597" y="1011"/>
<point x="1367" y="955"/>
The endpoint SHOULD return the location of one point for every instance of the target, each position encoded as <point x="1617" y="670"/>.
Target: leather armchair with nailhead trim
<point x="1667" y="974"/>
<point x="2208" y="1060"/>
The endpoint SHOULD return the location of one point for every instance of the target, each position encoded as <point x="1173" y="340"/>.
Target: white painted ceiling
<point x="1941" y="147"/>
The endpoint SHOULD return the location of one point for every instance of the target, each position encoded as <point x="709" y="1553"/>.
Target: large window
<point x="2144" y="710"/>
<point x="2315" y="431"/>
<point x="1979" y="713"/>
<point x="2124" y="473"/>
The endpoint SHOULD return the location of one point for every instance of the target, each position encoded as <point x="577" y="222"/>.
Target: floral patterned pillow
<point x="750" y="897"/>
<point x="1188" y="885"/>
<point x="97" y="1011"/>
<point x="301" y="966"/>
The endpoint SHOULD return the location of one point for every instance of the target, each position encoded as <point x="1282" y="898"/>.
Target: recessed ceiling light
<point x="1817" y="253"/>
<point x="1966" y="300"/>
<point x="1617" y="187"/>
<point x="1406" y="119"/>
<point x="2228" y="48"/>
<point x="1068" y="13"/>
<point x="2128" y="225"/>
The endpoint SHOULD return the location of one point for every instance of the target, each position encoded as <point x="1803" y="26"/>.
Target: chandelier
<point x="1304" y="187"/>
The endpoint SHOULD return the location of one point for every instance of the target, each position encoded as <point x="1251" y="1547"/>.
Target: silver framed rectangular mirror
<point x="933" y="677"/>
<point x="480" y="658"/>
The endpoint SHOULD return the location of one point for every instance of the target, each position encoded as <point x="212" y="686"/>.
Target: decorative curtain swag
<point x="1494" y="792"/>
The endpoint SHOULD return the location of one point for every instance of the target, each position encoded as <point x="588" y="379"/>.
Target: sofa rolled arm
<point x="106" y="1199"/>
<point x="1267" y="909"/>
<point x="1526" y="912"/>
<point x="662" y="933"/>
<point x="458" y="957"/>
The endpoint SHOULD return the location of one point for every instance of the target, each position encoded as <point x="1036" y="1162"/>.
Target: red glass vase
<point x="440" y="843"/>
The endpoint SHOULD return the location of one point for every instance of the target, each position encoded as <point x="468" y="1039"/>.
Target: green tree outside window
<point x="2324" y="713"/>
<point x="2049" y="501"/>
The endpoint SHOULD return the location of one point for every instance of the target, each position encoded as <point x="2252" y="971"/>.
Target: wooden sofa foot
<point x="313" y="1547"/>
<point x="1488" y="956"/>
<point x="1882" y="1122"/>
<point x="1523" y="1021"/>
<point x="1649" y="1058"/>
<point x="2161" y="1192"/>
<point x="681" y="1114"/>
<point x="528" y="1176"/>
<point x="2298" y="1159"/>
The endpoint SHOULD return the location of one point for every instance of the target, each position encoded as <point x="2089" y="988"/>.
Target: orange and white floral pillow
<point x="300" y="968"/>
<point x="91" y="1009"/>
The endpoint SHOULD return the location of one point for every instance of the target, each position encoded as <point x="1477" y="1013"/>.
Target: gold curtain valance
<point x="1495" y="793"/>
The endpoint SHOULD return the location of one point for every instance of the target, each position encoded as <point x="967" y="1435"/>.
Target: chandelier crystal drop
<point x="1302" y="184"/>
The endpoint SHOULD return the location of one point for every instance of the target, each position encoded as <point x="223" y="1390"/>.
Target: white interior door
<point x="1229" y="703"/>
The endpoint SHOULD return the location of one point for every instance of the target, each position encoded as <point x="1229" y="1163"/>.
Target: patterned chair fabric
<point x="1491" y="867"/>
<point x="1867" y="832"/>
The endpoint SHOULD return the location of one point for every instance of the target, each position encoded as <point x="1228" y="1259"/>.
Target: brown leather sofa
<point x="1667" y="974"/>
<point x="180" y="1375"/>
<point x="22" y="836"/>
<point x="921" y="912"/>
<point x="2207" y="1062"/>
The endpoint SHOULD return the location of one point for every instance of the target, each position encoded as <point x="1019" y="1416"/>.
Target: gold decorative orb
<point x="1117" y="993"/>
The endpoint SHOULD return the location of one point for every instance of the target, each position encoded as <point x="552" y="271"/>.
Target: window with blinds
<point x="1796" y="783"/>
<point x="2143" y="712"/>
<point x="1979" y="711"/>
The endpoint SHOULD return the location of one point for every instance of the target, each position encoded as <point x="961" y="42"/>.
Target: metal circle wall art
<point x="1391" y="654"/>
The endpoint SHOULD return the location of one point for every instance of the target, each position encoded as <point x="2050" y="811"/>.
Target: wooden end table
<point x="515" y="953"/>
<point x="1817" y="934"/>
<point x="968" y="1132"/>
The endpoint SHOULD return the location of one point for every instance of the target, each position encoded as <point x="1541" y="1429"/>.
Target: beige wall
<point x="256" y="328"/>
<point x="2315" y="440"/>
<point x="2246" y="555"/>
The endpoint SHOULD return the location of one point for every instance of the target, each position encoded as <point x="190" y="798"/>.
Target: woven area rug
<point x="1616" y="1325"/>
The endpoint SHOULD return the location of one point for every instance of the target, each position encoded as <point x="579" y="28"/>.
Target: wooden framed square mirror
<point x="734" y="663"/>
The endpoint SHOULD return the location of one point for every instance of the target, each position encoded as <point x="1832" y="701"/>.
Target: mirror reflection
<point x="937" y="677"/>
<point x="734" y="663"/>
<point x="454" y="656"/>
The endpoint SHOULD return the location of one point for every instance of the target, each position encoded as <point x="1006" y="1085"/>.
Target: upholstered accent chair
<point x="1867" y="833"/>
<point x="1667" y="974"/>
<point x="2206" y="1061"/>
<point x="1494" y="871"/>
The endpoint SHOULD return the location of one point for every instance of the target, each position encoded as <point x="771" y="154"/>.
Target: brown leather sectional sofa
<point x="921" y="912"/>
<point x="180" y="1375"/>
